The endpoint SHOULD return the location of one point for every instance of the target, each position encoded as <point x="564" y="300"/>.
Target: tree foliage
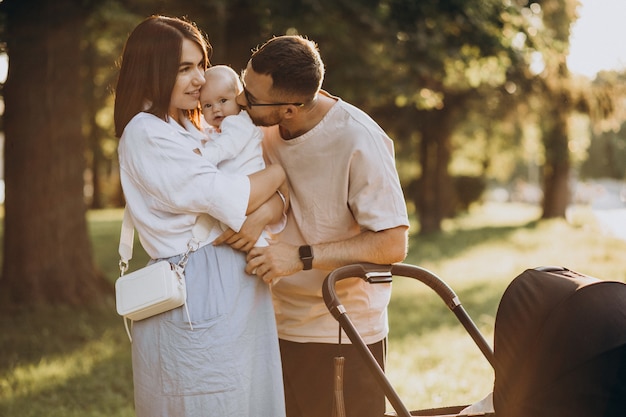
<point x="607" y="113"/>
<point x="428" y="71"/>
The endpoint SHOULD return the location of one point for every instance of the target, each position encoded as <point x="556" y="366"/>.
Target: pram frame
<point x="375" y="274"/>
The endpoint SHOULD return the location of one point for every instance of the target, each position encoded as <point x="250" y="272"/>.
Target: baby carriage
<point x="559" y="342"/>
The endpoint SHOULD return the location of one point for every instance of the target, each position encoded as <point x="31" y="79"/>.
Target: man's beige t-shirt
<point x="342" y="180"/>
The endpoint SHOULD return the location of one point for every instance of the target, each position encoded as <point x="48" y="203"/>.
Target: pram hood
<point x="560" y="346"/>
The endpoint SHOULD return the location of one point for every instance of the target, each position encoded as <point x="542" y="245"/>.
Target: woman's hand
<point x="235" y="240"/>
<point x="263" y="185"/>
<point x="248" y="235"/>
<point x="253" y="226"/>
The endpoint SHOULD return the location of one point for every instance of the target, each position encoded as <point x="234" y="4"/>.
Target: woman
<point x="229" y="364"/>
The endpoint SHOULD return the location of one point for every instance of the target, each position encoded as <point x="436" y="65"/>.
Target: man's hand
<point x="274" y="261"/>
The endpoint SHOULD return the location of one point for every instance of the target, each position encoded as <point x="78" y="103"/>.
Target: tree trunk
<point x="96" y="160"/>
<point x="557" y="165"/>
<point x="559" y="99"/>
<point x="47" y="251"/>
<point x="434" y="186"/>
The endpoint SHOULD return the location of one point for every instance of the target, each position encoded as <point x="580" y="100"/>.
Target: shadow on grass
<point x="28" y="336"/>
<point x="61" y="341"/>
<point x="445" y="245"/>
<point x="106" y="390"/>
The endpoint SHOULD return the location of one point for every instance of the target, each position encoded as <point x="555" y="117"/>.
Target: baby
<point x="234" y="141"/>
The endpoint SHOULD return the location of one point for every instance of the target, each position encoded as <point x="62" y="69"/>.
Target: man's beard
<point x="270" y="119"/>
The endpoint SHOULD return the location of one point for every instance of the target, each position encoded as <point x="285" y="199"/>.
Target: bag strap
<point x="127" y="238"/>
<point x="200" y="233"/>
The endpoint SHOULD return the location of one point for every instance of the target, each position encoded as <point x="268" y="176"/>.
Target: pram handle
<point x="374" y="274"/>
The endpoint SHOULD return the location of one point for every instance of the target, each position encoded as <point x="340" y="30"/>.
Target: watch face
<point x="305" y="252"/>
<point x="306" y="256"/>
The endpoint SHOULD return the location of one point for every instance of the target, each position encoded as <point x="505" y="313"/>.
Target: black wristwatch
<point x="306" y="256"/>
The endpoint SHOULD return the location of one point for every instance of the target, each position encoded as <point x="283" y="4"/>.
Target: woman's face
<point x="190" y="78"/>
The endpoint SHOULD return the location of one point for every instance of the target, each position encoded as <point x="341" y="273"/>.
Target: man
<point x="346" y="206"/>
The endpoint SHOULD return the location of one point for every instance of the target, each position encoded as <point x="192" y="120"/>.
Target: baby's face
<point x="217" y="101"/>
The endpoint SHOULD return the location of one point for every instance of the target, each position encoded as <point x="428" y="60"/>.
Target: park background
<point x="509" y="159"/>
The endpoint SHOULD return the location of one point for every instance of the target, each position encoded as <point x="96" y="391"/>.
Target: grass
<point x="65" y="363"/>
<point x="68" y="362"/>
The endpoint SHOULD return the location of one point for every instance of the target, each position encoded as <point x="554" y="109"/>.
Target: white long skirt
<point x="229" y="364"/>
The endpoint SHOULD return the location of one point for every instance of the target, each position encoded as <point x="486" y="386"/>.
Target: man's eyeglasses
<point x="251" y="104"/>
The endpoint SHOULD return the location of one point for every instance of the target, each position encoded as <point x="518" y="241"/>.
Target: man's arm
<point x="281" y="259"/>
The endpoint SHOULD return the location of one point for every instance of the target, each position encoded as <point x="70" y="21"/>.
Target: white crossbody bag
<point x="158" y="287"/>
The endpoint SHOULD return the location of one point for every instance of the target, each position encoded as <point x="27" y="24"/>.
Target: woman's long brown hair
<point x="149" y="67"/>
